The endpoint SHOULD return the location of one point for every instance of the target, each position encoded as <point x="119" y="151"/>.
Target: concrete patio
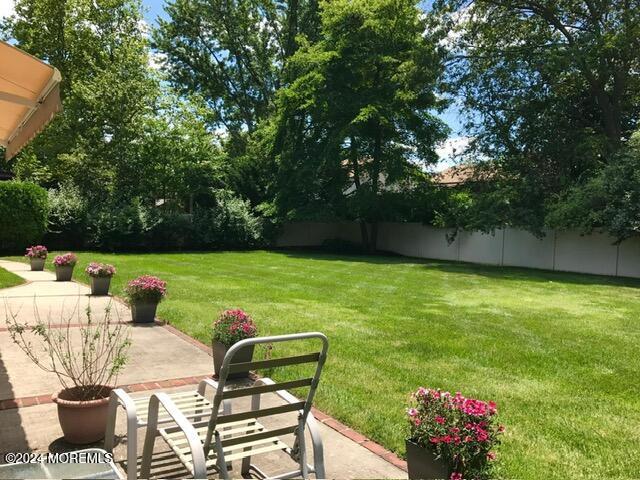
<point x="161" y="359"/>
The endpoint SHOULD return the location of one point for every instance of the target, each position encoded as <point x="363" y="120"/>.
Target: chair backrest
<point x="228" y="367"/>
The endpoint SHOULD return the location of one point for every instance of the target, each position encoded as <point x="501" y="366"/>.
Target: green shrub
<point x="119" y="226"/>
<point x="67" y="218"/>
<point x="23" y="215"/>
<point x="230" y="224"/>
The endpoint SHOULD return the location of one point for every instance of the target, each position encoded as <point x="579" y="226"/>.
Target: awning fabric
<point x="29" y="97"/>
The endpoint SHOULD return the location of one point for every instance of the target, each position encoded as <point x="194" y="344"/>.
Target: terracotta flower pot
<point x="37" y="264"/>
<point x="143" y="311"/>
<point x="423" y="464"/>
<point x="82" y="422"/>
<point x="243" y="355"/>
<point x="100" y="285"/>
<point x="64" y="273"/>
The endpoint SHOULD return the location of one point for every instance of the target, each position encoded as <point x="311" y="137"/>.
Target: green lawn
<point x="557" y="352"/>
<point x="8" y="279"/>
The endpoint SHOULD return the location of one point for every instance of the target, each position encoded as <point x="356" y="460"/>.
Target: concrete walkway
<point x="160" y="359"/>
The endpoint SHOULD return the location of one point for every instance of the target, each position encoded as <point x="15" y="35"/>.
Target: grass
<point x="8" y="279"/>
<point x="557" y="352"/>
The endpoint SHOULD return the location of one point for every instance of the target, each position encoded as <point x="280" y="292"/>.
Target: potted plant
<point x="231" y="327"/>
<point x="451" y="436"/>
<point x="144" y="294"/>
<point x="64" y="266"/>
<point x="100" y="274"/>
<point x="86" y="360"/>
<point x="37" y="255"/>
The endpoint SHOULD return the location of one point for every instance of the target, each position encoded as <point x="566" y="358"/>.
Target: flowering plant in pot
<point x="144" y="294"/>
<point x="100" y="274"/>
<point x="64" y="266"/>
<point x="231" y="327"/>
<point x="37" y="254"/>
<point x="451" y="436"/>
<point x="86" y="360"/>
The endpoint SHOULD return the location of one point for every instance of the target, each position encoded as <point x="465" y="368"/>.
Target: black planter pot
<point x="64" y="273"/>
<point x="423" y="464"/>
<point x="242" y="356"/>
<point x="143" y="312"/>
<point x="100" y="285"/>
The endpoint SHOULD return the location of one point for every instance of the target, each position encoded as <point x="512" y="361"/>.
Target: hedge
<point x="23" y="215"/>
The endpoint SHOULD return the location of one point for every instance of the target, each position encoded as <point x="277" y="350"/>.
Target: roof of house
<point x="453" y="176"/>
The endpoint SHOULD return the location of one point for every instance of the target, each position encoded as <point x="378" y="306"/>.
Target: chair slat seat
<point x="192" y="404"/>
<point x="177" y="442"/>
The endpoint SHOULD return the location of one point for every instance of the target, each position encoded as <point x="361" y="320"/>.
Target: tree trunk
<point x="364" y="235"/>
<point x="373" y="237"/>
<point x="375" y="187"/>
<point x="292" y="28"/>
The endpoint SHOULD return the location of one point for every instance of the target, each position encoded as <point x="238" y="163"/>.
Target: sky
<point x="452" y="117"/>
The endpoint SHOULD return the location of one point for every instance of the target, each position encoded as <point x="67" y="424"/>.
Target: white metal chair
<point x="226" y="436"/>
<point x="194" y="405"/>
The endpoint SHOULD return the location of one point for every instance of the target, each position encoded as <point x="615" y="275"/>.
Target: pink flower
<point x="412" y="412"/>
<point x="66" y="260"/>
<point x="455" y="476"/>
<point x="36" y="251"/>
<point x="491" y="456"/>
<point x="439" y="419"/>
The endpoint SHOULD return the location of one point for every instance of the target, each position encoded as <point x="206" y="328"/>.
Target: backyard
<point x="557" y="352"/>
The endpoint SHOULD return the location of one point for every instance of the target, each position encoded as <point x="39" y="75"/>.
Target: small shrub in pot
<point x="231" y="327"/>
<point x="64" y="266"/>
<point x="37" y="255"/>
<point x="144" y="294"/>
<point x="100" y="274"/>
<point x="451" y="436"/>
<point x="86" y="359"/>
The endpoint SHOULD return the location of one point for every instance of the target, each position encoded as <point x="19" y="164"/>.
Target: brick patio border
<point x="133" y="387"/>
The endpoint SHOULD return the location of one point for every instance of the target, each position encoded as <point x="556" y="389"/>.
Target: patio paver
<point x="157" y="356"/>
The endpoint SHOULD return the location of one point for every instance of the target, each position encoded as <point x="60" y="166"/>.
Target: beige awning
<point x="29" y="97"/>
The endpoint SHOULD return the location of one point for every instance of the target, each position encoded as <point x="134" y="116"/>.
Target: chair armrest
<point x="207" y="382"/>
<point x="195" y="445"/>
<point x="119" y="397"/>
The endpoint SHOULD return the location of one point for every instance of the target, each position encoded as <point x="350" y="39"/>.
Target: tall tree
<point x="100" y="48"/>
<point x="232" y="52"/>
<point x="551" y="91"/>
<point x="357" y="123"/>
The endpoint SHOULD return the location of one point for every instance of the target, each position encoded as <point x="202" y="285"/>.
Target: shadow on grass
<point x="519" y="274"/>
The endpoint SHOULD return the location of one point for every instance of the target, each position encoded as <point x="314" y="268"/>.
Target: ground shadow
<point x="13" y="437"/>
<point x="489" y="271"/>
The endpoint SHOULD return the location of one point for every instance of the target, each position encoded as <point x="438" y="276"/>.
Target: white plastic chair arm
<point x="195" y="445"/>
<point x="120" y="397"/>
<point x="207" y="382"/>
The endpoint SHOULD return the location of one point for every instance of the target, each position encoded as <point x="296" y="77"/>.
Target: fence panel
<point x="565" y="251"/>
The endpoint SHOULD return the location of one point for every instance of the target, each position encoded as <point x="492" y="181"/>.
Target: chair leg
<point x="109" y="436"/>
<point x="220" y="460"/>
<point x="302" y="450"/>
<point x="150" y="437"/>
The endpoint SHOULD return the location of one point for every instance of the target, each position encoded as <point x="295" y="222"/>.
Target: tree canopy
<point x="356" y="123"/>
<point x="551" y="91"/>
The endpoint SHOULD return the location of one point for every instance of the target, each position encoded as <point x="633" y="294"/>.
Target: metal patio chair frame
<point x="237" y="436"/>
<point x="194" y="405"/>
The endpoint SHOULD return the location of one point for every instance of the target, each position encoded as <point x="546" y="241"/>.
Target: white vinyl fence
<point x="564" y="251"/>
